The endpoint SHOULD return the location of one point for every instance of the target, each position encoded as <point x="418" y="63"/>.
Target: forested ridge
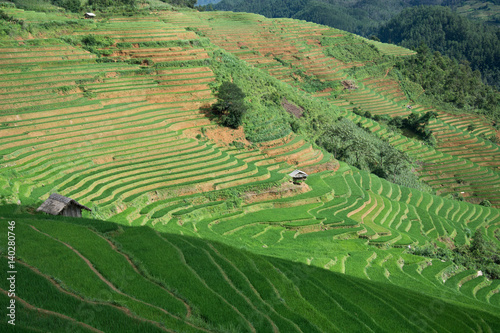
<point x="451" y="84"/>
<point x="358" y="16"/>
<point x="449" y="33"/>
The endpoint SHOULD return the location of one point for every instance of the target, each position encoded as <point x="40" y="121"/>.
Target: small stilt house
<point x="298" y="176"/>
<point x="58" y="204"/>
<point x="89" y="15"/>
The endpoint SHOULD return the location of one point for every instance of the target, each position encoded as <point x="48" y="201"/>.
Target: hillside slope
<point x="136" y="279"/>
<point x="357" y="16"/>
<point x="208" y="232"/>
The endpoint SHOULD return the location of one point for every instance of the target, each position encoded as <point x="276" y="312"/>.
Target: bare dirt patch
<point x="227" y="135"/>
<point x="349" y="85"/>
<point x="332" y="165"/>
<point x="313" y="42"/>
<point x="291" y="108"/>
<point x="285" y="190"/>
<point x="103" y="159"/>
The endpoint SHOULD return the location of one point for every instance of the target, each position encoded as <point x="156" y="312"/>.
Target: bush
<point x="481" y="254"/>
<point x="485" y="203"/>
<point x="97" y="41"/>
<point x="355" y="146"/>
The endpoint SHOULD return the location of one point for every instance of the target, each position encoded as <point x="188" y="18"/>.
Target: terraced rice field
<point x="132" y="279"/>
<point x="474" y="162"/>
<point x="270" y="45"/>
<point x="135" y="130"/>
<point x="129" y="140"/>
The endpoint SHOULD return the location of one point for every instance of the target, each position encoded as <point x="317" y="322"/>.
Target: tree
<point x="479" y="245"/>
<point x="230" y="106"/>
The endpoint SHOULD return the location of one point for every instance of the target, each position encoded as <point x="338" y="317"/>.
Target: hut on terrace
<point x="298" y="176"/>
<point x="89" y="15"/>
<point x="58" y="204"/>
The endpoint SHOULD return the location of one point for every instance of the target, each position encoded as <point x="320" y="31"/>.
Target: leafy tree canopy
<point x="352" y="144"/>
<point x="451" y="82"/>
<point x="449" y="33"/>
<point x="230" y="106"/>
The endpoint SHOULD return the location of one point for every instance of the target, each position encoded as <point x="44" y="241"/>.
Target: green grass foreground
<point x="79" y="272"/>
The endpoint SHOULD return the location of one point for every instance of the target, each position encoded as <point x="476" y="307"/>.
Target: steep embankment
<point x="137" y="279"/>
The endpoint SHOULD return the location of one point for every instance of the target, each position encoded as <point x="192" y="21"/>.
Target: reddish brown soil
<point x="293" y="109"/>
<point x="331" y="165"/>
<point x="285" y="190"/>
<point x="223" y="135"/>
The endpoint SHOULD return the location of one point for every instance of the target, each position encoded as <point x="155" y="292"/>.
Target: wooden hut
<point x="89" y="15"/>
<point x="298" y="176"/>
<point x="58" y="204"/>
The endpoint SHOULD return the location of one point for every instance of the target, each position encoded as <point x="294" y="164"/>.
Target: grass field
<point x="151" y="281"/>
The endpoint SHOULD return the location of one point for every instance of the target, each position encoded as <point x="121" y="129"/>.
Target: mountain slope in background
<point x="358" y="16"/>
<point x="449" y="33"/>
<point x="441" y="28"/>
<point x="206" y="2"/>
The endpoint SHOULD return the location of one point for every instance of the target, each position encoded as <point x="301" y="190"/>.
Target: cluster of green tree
<point x="358" y="147"/>
<point x="449" y="33"/>
<point x="182" y="3"/>
<point x="250" y="98"/>
<point x="450" y="83"/>
<point x="230" y="106"/>
<point x="481" y="254"/>
<point x="417" y="124"/>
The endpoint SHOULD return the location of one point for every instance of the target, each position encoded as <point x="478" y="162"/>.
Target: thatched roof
<point x="56" y="203"/>
<point x="297" y="174"/>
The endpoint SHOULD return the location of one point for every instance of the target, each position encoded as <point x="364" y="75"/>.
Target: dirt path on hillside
<point x="113" y="246"/>
<point x="102" y="278"/>
<point x="123" y="309"/>
<point x="51" y="313"/>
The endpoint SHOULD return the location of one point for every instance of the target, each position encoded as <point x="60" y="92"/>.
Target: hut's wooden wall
<point x="72" y="211"/>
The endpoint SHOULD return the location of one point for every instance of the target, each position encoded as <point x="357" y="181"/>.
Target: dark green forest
<point x="449" y="33"/>
<point x="450" y="83"/>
